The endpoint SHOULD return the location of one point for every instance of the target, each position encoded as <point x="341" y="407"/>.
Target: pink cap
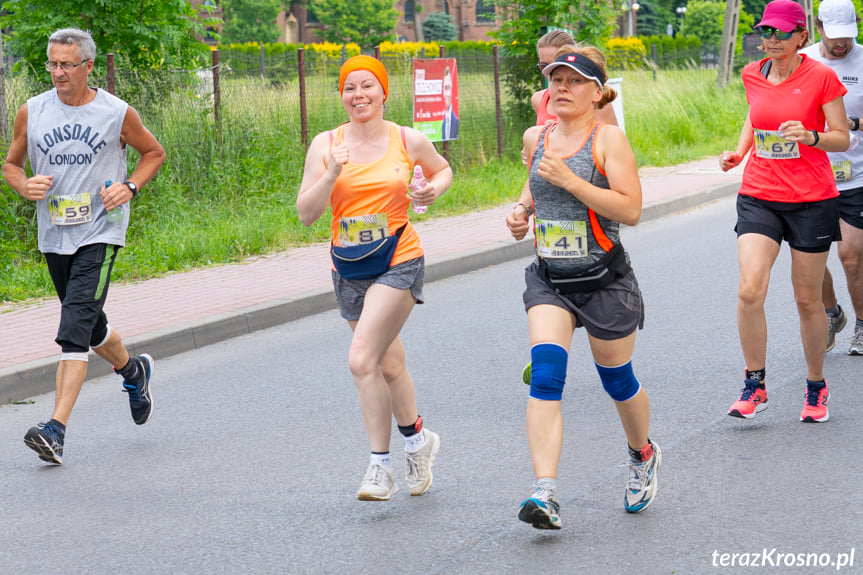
<point x="785" y="15"/>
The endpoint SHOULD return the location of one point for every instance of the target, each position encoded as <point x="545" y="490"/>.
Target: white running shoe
<point x="419" y="463"/>
<point x="379" y="484"/>
<point x="857" y="342"/>
<point x="643" y="483"/>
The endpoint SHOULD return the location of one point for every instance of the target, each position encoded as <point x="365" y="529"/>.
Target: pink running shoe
<point x="753" y="399"/>
<point x="815" y="408"/>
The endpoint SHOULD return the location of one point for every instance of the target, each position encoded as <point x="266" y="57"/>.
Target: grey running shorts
<point x="351" y="293"/>
<point x="612" y="312"/>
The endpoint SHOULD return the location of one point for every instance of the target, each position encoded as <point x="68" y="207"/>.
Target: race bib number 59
<point x="69" y="210"/>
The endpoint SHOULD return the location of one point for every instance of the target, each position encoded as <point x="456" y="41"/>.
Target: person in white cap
<point x="837" y="25"/>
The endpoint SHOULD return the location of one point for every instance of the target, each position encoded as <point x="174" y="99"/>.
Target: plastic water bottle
<point x="855" y="140"/>
<point x="115" y="215"/>
<point x="418" y="182"/>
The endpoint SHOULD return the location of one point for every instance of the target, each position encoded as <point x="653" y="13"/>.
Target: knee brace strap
<point x="72" y="356"/>
<point x="103" y="340"/>
<point x="547" y="371"/>
<point x="619" y="382"/>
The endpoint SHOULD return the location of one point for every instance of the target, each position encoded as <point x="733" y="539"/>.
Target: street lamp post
<point x="629" y="8"/>
<point x="681" y="11"/>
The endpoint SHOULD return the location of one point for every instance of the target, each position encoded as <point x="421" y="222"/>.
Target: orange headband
<point x="373" y="65"/>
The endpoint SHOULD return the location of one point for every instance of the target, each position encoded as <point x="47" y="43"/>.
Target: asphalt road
<point x="252" y="459"/>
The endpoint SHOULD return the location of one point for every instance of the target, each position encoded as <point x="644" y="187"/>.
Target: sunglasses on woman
<point x="768" y="31"/>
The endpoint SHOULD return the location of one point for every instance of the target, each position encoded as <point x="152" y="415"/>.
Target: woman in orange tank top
<point x="362" y="169"/>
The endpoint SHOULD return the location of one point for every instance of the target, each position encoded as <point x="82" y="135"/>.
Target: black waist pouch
<point x="613" y="266"/>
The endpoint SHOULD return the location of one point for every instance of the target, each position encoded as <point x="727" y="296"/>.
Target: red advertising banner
<point x="436" y="98"/>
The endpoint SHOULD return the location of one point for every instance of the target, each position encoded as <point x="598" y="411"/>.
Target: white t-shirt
<point x="850" y="72"/>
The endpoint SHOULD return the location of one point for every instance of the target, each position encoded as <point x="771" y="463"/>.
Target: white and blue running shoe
<point x="541" y="509"/>
<point x="643" y="483"/>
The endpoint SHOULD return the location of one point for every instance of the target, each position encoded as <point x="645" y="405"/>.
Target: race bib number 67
<point x="771" y="145"/>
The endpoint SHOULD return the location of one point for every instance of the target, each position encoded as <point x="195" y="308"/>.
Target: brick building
<point x="474" y="19"/>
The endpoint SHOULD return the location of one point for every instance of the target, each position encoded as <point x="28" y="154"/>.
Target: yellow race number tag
<point x="69" y="210"/>
<point x="561" y="239"/>
<point x="357" y="230"/>
<point x="841" y="170"/>
<point x="771" y="145"/>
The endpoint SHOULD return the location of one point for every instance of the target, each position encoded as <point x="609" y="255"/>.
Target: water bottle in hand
<point x="418" y="182"/>
<point x="114" y="215"/>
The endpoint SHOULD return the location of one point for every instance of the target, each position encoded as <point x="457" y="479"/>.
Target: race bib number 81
<point x="771" y="145"/>
<point x="69" y="210"/>
<point x="357" y="230"/>
<point x="561" y="239"/>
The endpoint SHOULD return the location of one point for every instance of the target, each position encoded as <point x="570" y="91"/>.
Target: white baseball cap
<point x="838" y="18"/>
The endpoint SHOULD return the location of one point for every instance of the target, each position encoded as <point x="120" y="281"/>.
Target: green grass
<point x="681" y="116"/>
<point x="229" y="192"/>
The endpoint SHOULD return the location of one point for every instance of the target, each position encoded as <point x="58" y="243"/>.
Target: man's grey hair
<point x="81" y="38"/>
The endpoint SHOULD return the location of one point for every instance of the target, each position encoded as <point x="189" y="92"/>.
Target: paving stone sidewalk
<point x="187" y="310"/>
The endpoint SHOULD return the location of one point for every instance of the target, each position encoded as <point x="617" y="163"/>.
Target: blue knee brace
<point x="547" y="371"/>
<point x="619" y="382"/>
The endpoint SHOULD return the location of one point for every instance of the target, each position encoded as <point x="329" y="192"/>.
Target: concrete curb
<point x="37" y="377"/>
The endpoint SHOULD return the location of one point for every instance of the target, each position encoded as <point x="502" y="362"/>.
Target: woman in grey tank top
<point x="583" y="183"/>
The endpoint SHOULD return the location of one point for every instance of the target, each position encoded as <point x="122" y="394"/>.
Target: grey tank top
<point x="80" y="147"/>
<point x="554" y="203"/>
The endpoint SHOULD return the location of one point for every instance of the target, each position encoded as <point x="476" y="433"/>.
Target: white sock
<point x="415" y="441"/>
<point x="381" y="459"/>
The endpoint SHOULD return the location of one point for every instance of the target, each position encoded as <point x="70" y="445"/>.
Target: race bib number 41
<point x="561" y="239"/>
<point x="358" y="230"/>
<point x="771" y="145"/>
<point x="69" y="210"/>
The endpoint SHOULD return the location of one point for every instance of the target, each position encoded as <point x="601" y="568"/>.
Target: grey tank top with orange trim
<point x="554" y="203"/>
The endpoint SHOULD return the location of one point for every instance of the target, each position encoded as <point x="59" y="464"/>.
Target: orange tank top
<point x="542" y="114"/>
<point x="379" y="187"/>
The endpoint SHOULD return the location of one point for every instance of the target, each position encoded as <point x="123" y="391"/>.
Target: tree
<point x="251" y="20"/>
<point x="439" y="27"/>
<point x="653" y="18"/>
<point x="592" y="22"/>
<point x="143" y="35"/>
<point x="706" y="18"/>
<point x="365" y="22"/>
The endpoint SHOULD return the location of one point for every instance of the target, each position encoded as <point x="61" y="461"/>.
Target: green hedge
<point x="673" y="52"/>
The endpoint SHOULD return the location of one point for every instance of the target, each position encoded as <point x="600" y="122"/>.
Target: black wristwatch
<point x="856" y="123"/>
<point x="132" y="187"/>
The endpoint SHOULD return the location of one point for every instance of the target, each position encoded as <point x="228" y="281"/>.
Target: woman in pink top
<point x="546" y="46"/>
<point x="788" y="192"/>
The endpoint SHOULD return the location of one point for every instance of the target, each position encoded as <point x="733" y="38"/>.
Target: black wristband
<point x="132" y="187"/>
<point x="856" y="123"/>
<point x="817" y="139"/>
